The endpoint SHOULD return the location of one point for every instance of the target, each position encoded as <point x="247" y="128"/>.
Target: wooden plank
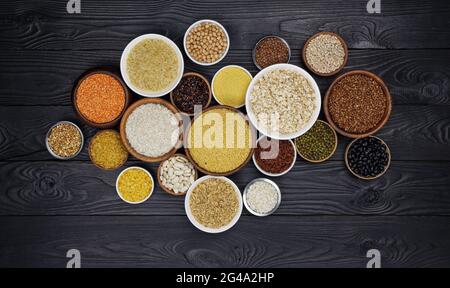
<point x="412" y="132"/>
<point x="254" y="242"/>
<point x="47" y="77"/>
<point x="77" y="188"/>
<point x="47" y="25"/>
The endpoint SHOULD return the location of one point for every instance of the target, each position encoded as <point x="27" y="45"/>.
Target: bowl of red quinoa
<point x="357" y="104"/>
<point x="274" y="157"/>
<point x="100" y="97"/>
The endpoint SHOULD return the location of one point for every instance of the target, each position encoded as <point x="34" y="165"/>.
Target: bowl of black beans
<point x="368" y="158"/>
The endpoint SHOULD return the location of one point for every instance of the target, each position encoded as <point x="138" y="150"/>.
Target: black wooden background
<point x="327" y="217"/>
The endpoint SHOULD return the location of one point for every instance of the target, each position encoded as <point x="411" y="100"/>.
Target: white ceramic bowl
<point x="192" y="218"/>
<point x="198" y="23"/>
<point x="314" y="116"/>
<point x="271" y="174"/>
<point x="217" y="73"/>
<point x="142" y="169"/>
<point x="123" y="65"/>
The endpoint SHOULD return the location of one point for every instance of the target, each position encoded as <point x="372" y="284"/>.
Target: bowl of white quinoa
<point x="283" y="101"/>
<point x="151" y="129"/>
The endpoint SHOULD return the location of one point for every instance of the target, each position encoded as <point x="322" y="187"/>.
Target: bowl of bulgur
<point x="152" y="65"/>
<point x="213" y="204"/>
<point x="283" y="101"/>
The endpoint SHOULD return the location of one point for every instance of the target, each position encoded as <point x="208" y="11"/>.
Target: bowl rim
<point x="159" y="175"/>
<point x="331" y="154"/>
<point x="388" y="150"/>
<point x="48" y="145"/>
<point x="201" y="77"/>
<point x="139" y="168"/>
<point x="90" y="148"/>
<point x="217" y="73"/>
<point x="127" y="144"/>
<point x="126" y="52"/>
<point x="247" y="206"/>
<point x="252" y="148"/>
<point x="100" y="70"/>
<point x="191" y="216"/>
<point x="277" y="174"/>
<point x="201" y="22"/>
<point x="263" y="38"/>
<point x="311" y="81"/>
<point x="382" y="121"/>
<point x="307" y="64"/>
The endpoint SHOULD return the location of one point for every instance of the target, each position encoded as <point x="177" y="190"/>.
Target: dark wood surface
<point x="327" y="218"/>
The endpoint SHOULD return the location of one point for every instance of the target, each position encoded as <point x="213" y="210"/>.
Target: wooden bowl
<point x="344" y="44"/>
<point x="253" y="139"/>
<point x="124" y="136"/>
<point x="362" y="177"/>
<point x="209" y="89"/>
<point x="383" y="120"/>
<point x="101" y="70"/>
<point x="159" y="175"/>
<point x="90" y="151"/>
<point x="332" y="152"/>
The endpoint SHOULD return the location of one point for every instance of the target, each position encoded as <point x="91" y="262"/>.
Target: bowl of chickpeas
<point x="206" y="42"/>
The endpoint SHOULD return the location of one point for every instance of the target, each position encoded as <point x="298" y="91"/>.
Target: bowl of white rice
<point x="151" y="129"/>
<point x="262" y="197"/>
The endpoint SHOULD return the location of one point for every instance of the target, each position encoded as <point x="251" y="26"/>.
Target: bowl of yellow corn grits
<point x="220" y="141"/>
<point x="135" y="185"/>
<point x="229" y="85"/>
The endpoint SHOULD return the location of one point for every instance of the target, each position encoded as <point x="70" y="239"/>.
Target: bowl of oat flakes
<point x="283" y="101"/>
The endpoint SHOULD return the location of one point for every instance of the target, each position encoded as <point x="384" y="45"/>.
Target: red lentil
<point x="100" y="98"/>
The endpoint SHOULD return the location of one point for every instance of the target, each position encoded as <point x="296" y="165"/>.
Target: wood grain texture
<point x="47" y="25"/>
<point x="327" y="218"/>
<point x="253" y="242"/>
<point x="412" y="132"/>
<point x="47" y="77"/>
<point x="62" y="188"/>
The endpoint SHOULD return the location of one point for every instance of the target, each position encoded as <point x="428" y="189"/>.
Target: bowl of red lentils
<point x="100" y="97"/>
<point x="206" y="42"/>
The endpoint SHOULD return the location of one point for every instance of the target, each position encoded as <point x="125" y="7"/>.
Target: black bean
<point x="368" y="157"/>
